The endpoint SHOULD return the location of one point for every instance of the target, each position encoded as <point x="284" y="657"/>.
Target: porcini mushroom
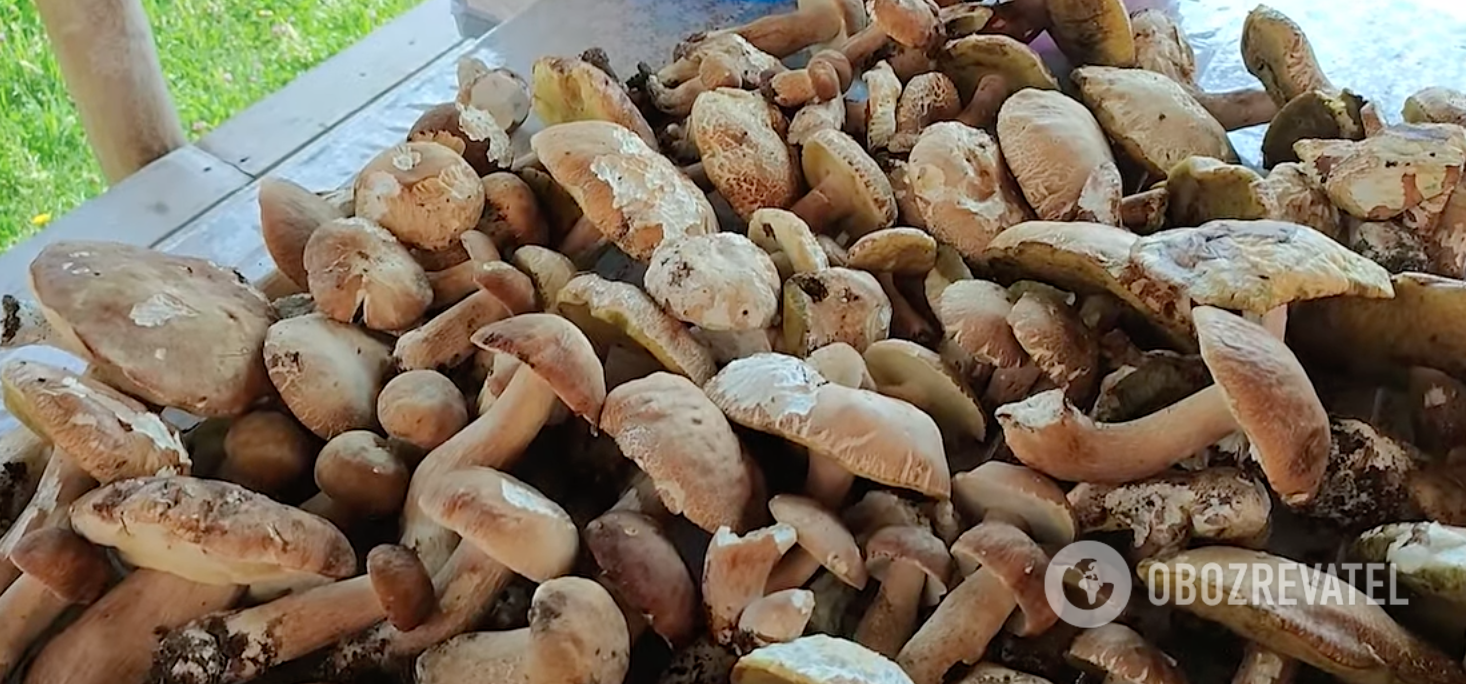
<point x="779" y="617"/>
<point x="928" y="98"/>
<point x="289" y="214"/>
<point x="1167" y="511"/>
<point x="1152" y="118"/>
<point x="989" y="68"/>
<point x="444" y="341"/>
<point x="1275" y="50"/>
<point x="848" y="191"/>
<point x="1406" y="170"/>
<point x="974" y="313"/>
<point x="1018" y="496"/>
<point x="781" y="35"/>
<point x="59" y="569"/>
<point x="1436" y="105"/>
<point x="822" y="541"/>
<point x="644" y="571"/>
<point x="962" y="187"/>
<point x="779" y="231"/>
<point x="1371" y="478"/>
<point x="422" y="408"/>
<point x="359" y="477"/>
<point x="1124" y="656"/>
<point x="512" y="216"/>
<point x="1160" y="46"/>
<point x="1036" y="126"/>
<point x="723" y="61"/>
<point x="568" y="89"/>
<point x="500" y="92"/>
<point x="743" y="152"/>
<point x="468" y="130"/>
<point x="328" y="373"/>
<point x="576" y="634"/>
<point x="718" y="282"/>
<point x="913" y="567"/>
<point x="834" y="305"/>
<point x="1057" y="342"/>
<point x="912" y="373"/>
<point x="814" y="659"/>
<point x="422" y="192"/>
<point x="60" y="483"/>
<point x="613" y="312"/>
<point x="822" y="81"/>
<point x="266" y="451"/>
<point x="735" y="571"/>
<point x="841" y="364"/>
<point x="358" y="269"/>
<point x="1092" y="31"/>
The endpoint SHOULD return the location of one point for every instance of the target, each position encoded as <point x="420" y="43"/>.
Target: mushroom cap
<point x="1200" y="189"/>
<point x="903" y="251"/>
<point x="1335" y="627"/>
<point x="1436" y="105"/>
<point x="815" y="117"/>
<point x="1389" y="173"/>
<point x="912" y="23"/>
<point x="569" y="90"/>
<point x="777" y="230"/>
<point x="422" y="407"/>
<point x="358" y="470"/>
<point x="910" y="372"/>
<point x="821" y="534"/>
<point x="721" y="281"/>
<point x="1272" y="399"/>
<point x="667" y="426"/>
<point x="873" y="436"/>
<point x="613" y="311"/>
<point x="778" y="617"/>
<point x="506" y="519"/>
<point x="558" y="352"/>
<point x="212" y="532"/>
<point x="172" y="330"/>
<point x="1166" y="511"/>
<point x="1420" y="326"/>
<point x="289" y="214"/>
<point x="879" y="509"/>
<point x="1092" y="31"/>
<point x="962" y="187"/>
<point x="500" y="92"/>
<point x="883" y="99"/>
<point x="1152" y="118"/>
<point x="633" y="195"/>
<point x="468" y="130"/>
<point x="402" y="585"/>
<point x="969" y="58"/>
<point x="841" y="364"/>
<point x="738" y="134"/>
<point x="1162" y="47"/>
<point x="1018" y="492"/>
<point x="1018" y="562"/>
<point x="488" y="656"/>
<point x="1058" y="342"/>
<point x="1275" y="50"/>
<point x="328" y="373"/>
<point x="548" y="270"/>
<point x="646" y="572"/>
<point x="1038" y="128"/>
<point x="576" y="634"/>
<point x="266" y="451"/>
<point x="424" y="193"/>
<point x="736" y="570"/>
<point x="357" y="268"/>
<point x="512" y="215"/>
<point x="108" y="434"/>
<point x="834" y="305"/>
<point x="927" y="99"/>
<point x="833" y="161"/>
<point x="992" y="673"/>
<point x="974" y="314"/>
<point x="68" y="565"/>
<point x="817" y="659"/>
<point x="1125" y="656"/>
<point x="1312" y="115"/>
<point x="914" y="545"/>
<point x="1426" y="556"/>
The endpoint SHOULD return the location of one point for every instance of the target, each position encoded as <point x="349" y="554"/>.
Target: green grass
<point x="219" y="56"/>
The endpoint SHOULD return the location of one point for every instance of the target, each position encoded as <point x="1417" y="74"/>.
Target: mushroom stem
<point x="29" y="608"/>
<point x="782" y="35"/>
<point x="1276" y="321"/>
<point x="906" y="322"/>
<point x="452" y="284"/>
<point x="61" y="483"/>
<point x="982" y="110"/>
<point x="827" y="482"/>
<point x="793" y="571"/>
<point x="24" y="325"/>
<point x="888" y="623"/>
<point x="960" y="628"/>
<point x="697" y="174"/>
<point x="821" y="206"/>
<point x="494" y="440"/>
<point x="859" y="48"/>
<point x="583" y="243"/>
<point x="1236" y="109"/>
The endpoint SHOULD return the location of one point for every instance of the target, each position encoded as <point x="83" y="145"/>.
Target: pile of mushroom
<point x="729" y="374"/>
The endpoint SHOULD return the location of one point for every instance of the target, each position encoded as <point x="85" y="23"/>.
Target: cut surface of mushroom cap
<point x="645" y="571"/>
<point x="424" y="193"/>
<point x="1165" y="512"/>
<point x="962" y="187"/>
<point x="576" y="634"/>
<point x="172" y="330"/>
<point x="566" y="89"/>
<point x="1058" y="343"/>
<point x="213" y="532"/>
<point x="289" y="214"/>
<point x="499" y="514"/>
<point x="834" y="305"/>
<point x="735" y="571"/>
<point x="1093" y="31"/>
<point x="328" y="373"/>
<point x="1336" y="628"/>
<point x="667" y="426"/>
<point x="848" y="190"/>
<point x="108" y="434"/>
<point x="817" y="659"/>
<point x="1152" y="118"/>
<point x="903" y="251"/>
<point x="721" y="281"/>
<point x="910" y="372"/>
<point x="610" y="310"/>
<point x="739" y="136"/>
<point x="822" y="536"/>
<point x="356" y="268"/>
<point x="872" y="436"/>
<point x="1275" y="50"/>
<point x="1037" y="127"/>
<point x="1019" y="495"/>
<point x="1125" y="656"/>
<point x="1404" y="168"/>
<point x="974" y="314"/>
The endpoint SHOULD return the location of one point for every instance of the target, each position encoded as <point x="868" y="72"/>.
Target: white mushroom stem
<point x="960" y="629"/>
<point x="452" y="284"/>
<point x="22" y="324"/>
<point x="494" y="440"/>
<point x="793" y="570"/>
<point x="1276" y="321"/>
<point x="1236" y="109"/>
<point x="29" y="608"/>
<point x="888" y="623"/>
<point x="827" y="481"/>
<point x="61" y="483"/>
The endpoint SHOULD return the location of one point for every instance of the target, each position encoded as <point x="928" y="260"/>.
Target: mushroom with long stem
<point x="821" y="541"/>
<point x="848" y="190"/>
<point x="59" y="569"/>
<point x="781" y="35"/>
<point x="643" y="570"/>
<point x="913" y="567"/>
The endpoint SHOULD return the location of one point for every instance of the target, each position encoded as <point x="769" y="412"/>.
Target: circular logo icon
<point x="1096" y="571"/>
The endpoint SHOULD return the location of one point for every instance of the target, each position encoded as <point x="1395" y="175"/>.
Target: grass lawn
<point x="219" y="55"/>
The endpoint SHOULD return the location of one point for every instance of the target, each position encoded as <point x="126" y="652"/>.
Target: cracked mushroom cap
<point x="821" y="534"/>
<point x="358" y="270"/>
<point x="212" y="532"/>
<point x="1436" y="105"/>
<point x="834" y="305"/>
<point x="646" y="572"/>
<point x="504" y="518"/>
<point x="974" y="314"/>
<point x="871" y="435"/>
<point x="817" y="659"/>
<point x="424" y="193"/>
<point x="108" y="434"/>
<point x="633" y="195"/>
<point x="1014" y="492"/>
<point x="1036" y="129"/>
<point x="329" y="374"/>
<point x="1152" y="118"/>
<point x="558" y="353"/>
<point x="1092" y="31"/>
<point x="172" y="330"/>
<point x="720" y="282"/>
<point x="1018" y="562"/>
<point x="667" y="426"/>
<point x="910" y="372"/>
<point x="1403" y="168"/>
<point x="613" y="311"/>
<point x="883" y="98"/>
<point x="1124" y="656"/>
<point x="834" y="162"/>
<point x="970" y="58"/>
<point x="914" y="545"/>
<point x="576" y="634"/>
<point x="566" y="90"/>
<point x="739" y="135"/>
<point x="1165" y="512"/>
<point x="471" y="132"/>
<point x="1058" y="342"/>
<point x="902" y="251"/>
<point x="1339" y="630"/>
<point x="962" y="187"/>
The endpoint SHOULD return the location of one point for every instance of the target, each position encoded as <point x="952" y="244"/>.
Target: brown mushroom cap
<point x="576" y="634"/>
<point x="974" y="314"/>
<point x="738" y="134"/>
<point x="212" y="532"/>
<point x="1313" y="115"/>
<point x="1201" y="189"/>
<point x="507" y="520"/>
<point x="903" y="251"/>
<point x="872" y="436"/>
<point x="914" y="545"/>
<point x="963" y="188"/>
<point x="1058" y="343"/>
<point x="424" y="193"/>
<point x="491" y="656"/>
<point x="569" y="89"/>
<point x="645" y="571"/>
<point x="1152" y="118"/>
<point x="822" y="535"/>
<point x="1037" y="128"/>
<point x="1165" y="512"/>
<point x="106" y="433"/>
<point x="1125" y="656"/>
<point x="992" y="673"/>
<point x="328" y="373"/>
<point x="357" y="268"/>
<point x="969" y="59"/>
<point x="67" y="564"/>
<point x="611" y="311"/>
<point x="927" y="99"/>
<point x="1018" y="562"/>
<point x="910" y="372"/>
<point x="633" y="195"/>
<point x="834" y="305"/>
<point x="289" y="214"/>
<point x="1018" y="493"/>
<point x="840" y="168"/>
<point x="467" y="130"/>
<point x="172" y="330"/>
<point x="557" y="352"/>
<point x="266" y="451"/>
<point x="512" y="216"/>
<point x="817" y="659"/>
<point x="735" y="572"/>
<point x="358" y="470"/>
<point x="721" y="281"/>
<point x="422" y="407"/>
<point x="1092" y="31"/>
<point x="667" y="426"/>
<point x="815" y="117"/>
<point x="1420" y="326"/>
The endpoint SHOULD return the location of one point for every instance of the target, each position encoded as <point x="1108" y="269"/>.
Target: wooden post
<point x="106" y="53"/>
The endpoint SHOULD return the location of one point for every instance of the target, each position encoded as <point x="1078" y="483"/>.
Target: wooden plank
<point x="272" y="129"/>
